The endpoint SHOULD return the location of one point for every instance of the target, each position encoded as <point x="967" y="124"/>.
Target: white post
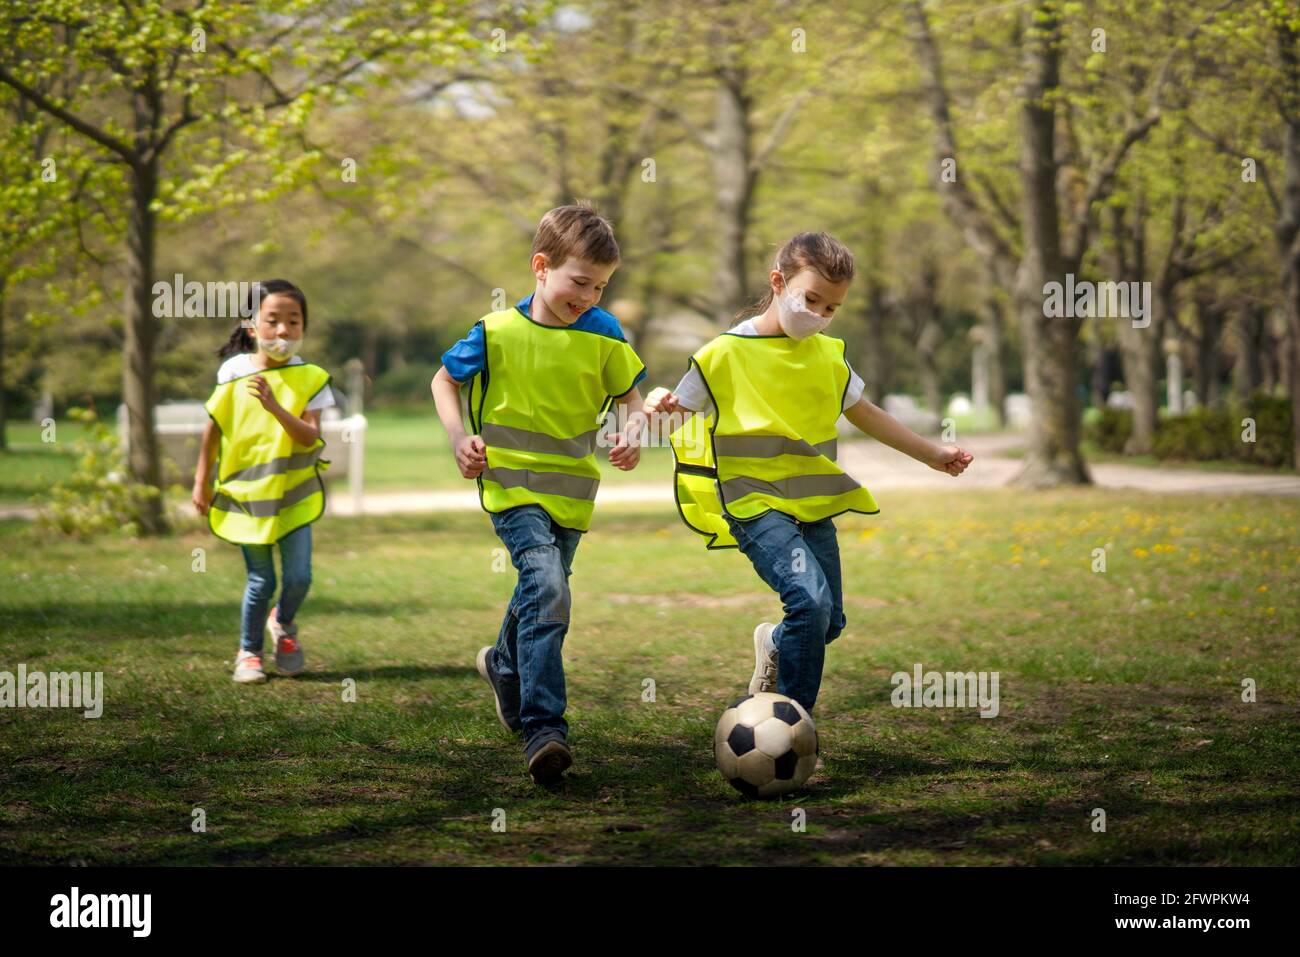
<point x="1174" y="388"/>
<point x="979" y="375"/>
<point x="356" y="431"/>
<point x="356" y="458"/>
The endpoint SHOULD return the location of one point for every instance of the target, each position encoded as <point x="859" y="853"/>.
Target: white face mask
<point x="797" y="320"/>
<point x="279" y="349"/>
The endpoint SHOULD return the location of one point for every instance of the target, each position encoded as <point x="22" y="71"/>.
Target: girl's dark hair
<point x="242" y="339"/>
<point x="819" y="252"/>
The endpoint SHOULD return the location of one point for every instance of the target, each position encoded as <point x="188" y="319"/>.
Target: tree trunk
<point x="138" y="389"/>
<point x="732" y="186"/>
<point x="993" y="336"/>
<point x="1210" y="321"/>
<point x="1288" y="227"/>
<point x="877" y="360"/>
<point x="1247" y="331"/>
<point x="4" y="406"/>
<point x="1051" y="345"/>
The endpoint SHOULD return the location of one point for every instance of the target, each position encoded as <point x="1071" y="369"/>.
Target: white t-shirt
<point x="241" y="364"/>
<point x="692" y="393"/>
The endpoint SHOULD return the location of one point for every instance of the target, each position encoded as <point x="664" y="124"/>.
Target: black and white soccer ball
<point x="765" y="745"/>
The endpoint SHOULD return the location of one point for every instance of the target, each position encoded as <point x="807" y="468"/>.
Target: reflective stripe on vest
<point x="267" y="485"/>
<point x="773" y="443"/>
<point x="538" y="405"/>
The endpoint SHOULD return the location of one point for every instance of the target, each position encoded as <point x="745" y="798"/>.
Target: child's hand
<point x="259" y="387"/>
<point x="624" y="455"/>
<point x="951" y="459"/>
<point x="201" y="497"/>
<point x="661" y="400"/>
<point x="471" y="456"/>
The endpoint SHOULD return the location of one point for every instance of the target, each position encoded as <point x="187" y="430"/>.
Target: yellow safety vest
<point x="267" y="484"/>
<point x="540" y="401"/>
<point x="770" y="443"/>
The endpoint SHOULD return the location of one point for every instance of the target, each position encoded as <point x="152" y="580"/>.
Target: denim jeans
<point x="295" y="564"/>
<point x="537" y="619"/>
<point x="801" y="562"/>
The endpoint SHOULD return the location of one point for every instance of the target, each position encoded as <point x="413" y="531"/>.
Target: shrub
<point x="100" y="496"/>
<point x="1109" y="429"/>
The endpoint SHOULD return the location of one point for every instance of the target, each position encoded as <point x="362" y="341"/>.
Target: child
<point x="756" y="465"/>
<point x="541" y="374"/>
<point x="266" y="411"/>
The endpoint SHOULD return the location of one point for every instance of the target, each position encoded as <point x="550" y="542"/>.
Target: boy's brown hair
<point x="576" y="230"/>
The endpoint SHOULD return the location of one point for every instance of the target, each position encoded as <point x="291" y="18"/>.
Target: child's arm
<point x="201" y="496"/>
<point x="880" y="425"/>
<point x="626" y="452"/>
<point x="661" y="402"/>
<point x="304" y="431"/>
<point x="471" y="452"/>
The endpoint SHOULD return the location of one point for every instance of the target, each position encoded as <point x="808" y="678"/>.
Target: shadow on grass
<point x="171" y="619"/>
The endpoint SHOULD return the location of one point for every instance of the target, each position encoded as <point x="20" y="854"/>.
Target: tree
<point x="157" y="74"/>
<point x="1062" y="180"/>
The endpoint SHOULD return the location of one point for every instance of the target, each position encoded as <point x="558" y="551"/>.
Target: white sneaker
<point x="248" y="668"/>
<point x="764" y="661"/>
<point x="288" y="649"/>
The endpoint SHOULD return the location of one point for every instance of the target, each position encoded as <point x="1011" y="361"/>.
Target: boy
<point x="541" y="374"/>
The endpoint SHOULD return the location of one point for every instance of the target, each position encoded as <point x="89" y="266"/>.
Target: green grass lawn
<point x="405" y="451"/>
<point x="30" y="466"/>
<point x="1119" y="690"/>
<point x="408" y="450"/>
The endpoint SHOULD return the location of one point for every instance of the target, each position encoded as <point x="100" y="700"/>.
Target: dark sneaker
<point x="548" y="756"/>
<point x="505" y="693"/>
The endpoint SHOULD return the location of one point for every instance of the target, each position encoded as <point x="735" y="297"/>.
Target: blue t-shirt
<point x="465" y="359"/>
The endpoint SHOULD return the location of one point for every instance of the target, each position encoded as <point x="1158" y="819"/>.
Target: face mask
<point x="279" y="349"/>
<point x="797" y="320"/>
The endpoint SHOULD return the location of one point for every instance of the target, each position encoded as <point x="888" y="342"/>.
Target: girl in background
<point x="265" y="424"/>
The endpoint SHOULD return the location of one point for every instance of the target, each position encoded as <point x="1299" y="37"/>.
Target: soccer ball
<point x="765" y="745"/>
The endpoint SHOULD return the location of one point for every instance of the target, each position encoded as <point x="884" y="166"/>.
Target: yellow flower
<point x="1140" y="552"/>
<point x="1261" y="589"/>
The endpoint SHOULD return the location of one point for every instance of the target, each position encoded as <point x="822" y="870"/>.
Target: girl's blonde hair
<point x="820" y="252"/>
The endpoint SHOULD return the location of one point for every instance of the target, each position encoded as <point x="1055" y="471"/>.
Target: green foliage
<point x="1207" y="433"/>
<point x="1216" y="433"/>
<point x="1109" y="429"/>
<point x="100" y="496"/>
<point x="406" y="384"/>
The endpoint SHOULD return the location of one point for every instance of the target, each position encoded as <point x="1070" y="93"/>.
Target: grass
<point x="1119" y="690"/>
<point x="405" y="451"/>
<point x="1092" y="453"/>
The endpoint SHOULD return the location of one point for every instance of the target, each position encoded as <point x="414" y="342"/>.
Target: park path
<point x="879" y="467"/>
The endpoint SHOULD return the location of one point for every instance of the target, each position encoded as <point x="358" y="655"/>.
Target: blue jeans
<point x="537" y="619"/>
<point x="801" y="562"/>
<point x="295" y="563"/>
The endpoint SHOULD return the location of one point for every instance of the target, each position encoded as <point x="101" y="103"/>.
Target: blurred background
<point x="393" y="158"/>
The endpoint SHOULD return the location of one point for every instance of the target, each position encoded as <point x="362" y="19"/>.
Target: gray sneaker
<point x="504" y="693"/>
<point x="764" y="678"/>
<point x="288" y="650"/>
<point x="548" y="756"/>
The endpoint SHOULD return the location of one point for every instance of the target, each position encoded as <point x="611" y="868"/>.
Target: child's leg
<point x="775" y="546"/>
<point x="258" y="593"/>
<point x="825" y="544"/>
<point x="507" y="640"/>
<point x="542" y="610"/>
<point x="295" y="565"/>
